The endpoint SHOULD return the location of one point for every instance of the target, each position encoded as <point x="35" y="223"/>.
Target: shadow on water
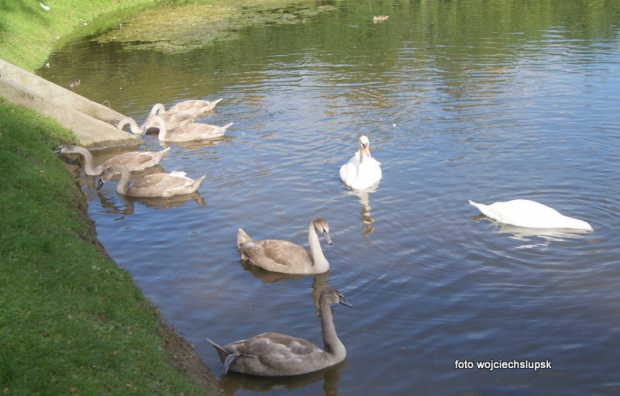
<point x="232" y="382"/>
<point x="319" y="281"/>
<point x="533" y="237"/>
<point x="22" y="6"/>
<point x="113" y="206"/>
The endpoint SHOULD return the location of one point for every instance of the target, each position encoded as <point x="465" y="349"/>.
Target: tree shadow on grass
<point x="18" y="9"/>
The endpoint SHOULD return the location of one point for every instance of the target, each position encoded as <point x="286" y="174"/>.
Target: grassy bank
<point x="71" y="320"/>
<point x="29" y="33"/>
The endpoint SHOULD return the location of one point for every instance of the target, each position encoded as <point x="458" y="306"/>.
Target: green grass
<point x="28" y="33"/>
<point x="71" y="321"/>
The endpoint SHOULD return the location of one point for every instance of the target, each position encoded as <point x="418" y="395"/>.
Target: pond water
<point x="487" y="101"/>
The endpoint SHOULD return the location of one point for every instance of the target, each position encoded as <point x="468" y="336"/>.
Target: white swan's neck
<point x="360" y="165"/>
<point x="362" y="154"/>
<point x="318" y="258"/>
<point x="331" y="343"/>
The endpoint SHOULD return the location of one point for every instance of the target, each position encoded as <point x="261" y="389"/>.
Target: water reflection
<point x="197" y="144"/>
<point x="268" y="276"/>
<point x="365" y="217"/>
<point x="319" y="281"/>
<point x="533" y="237"/>
<point x="112" y="206"/>
<point x="232" y="382"/>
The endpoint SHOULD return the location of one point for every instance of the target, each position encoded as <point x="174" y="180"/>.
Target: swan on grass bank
<point x="189" y="132"/>
<point x="275" y="355"/>
<point x="362" y="171"/>
<point x="154" y="185"/>
<point x="530" y="214"/>
<point x="133" y="161"/>
<point x="284" y="256"/>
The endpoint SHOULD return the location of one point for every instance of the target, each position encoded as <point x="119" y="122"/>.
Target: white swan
<point x="134" y="160"/>
<point x="362" y="171"/>
<point x="284" y="256"/>
<point x="274" y="354"/>
<point x="189" y="132"/>
<point x="195" y="108"/>
<point x="530" y="214"/>
<point x="153" y="185"/>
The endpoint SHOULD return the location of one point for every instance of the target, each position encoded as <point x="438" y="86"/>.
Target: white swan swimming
<point x="274" y="354"/>
<point x="362" y="171"/>
<point x="530" y="214"/>
<point x="189" y="132"/>
<point x="153" y="185"/>
<point x="133" y="160"/>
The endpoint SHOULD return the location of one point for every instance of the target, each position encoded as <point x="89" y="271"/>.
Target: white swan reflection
<point x="533" y="237"/>
<point x="365" y="216"/>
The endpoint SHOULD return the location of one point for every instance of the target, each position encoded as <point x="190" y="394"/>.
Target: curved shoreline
<point x="25" y="243"/>
<point x="40" y="31"/>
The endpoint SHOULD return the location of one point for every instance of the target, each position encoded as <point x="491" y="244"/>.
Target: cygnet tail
<point x="222" y="353"/>
<point x="242" y="238"/>
<point x="197" y="182"/>
<point x="226" y="357"/>
<point x="225" y="127"/>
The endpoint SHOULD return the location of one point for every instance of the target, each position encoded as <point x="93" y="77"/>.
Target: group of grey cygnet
<point x="268" y="354"/>
<point x="175" y="124"/>
<point x="274" y="354"/>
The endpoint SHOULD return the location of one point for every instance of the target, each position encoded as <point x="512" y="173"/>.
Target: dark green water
<point x="479" y="100"/>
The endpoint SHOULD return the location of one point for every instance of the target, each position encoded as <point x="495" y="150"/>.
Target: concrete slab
<point x="94" y="124"/>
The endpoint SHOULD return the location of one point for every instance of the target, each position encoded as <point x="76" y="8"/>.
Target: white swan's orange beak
<point x="366" y="150"/>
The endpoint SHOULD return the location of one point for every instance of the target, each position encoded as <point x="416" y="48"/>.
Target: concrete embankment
<point x="94" y="124"/>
